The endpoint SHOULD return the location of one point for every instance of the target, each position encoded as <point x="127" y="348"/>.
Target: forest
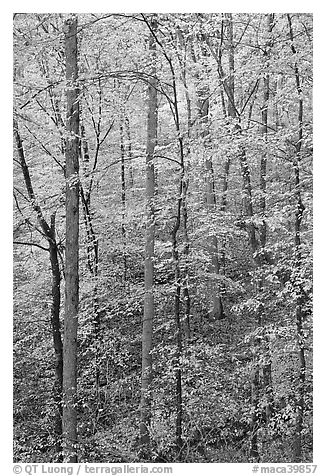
<point x="162" y="211"/>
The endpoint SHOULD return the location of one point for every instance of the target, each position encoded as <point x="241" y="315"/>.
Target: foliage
<point x="259" y="301"/>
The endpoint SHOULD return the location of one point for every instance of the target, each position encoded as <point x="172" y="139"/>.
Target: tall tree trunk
<point x="249" y="213"/>
<point x="69" y="421"/>
<point x="264" y="257"/>
<point x="147" y="332"/>
<point x="177" y="312"/>
<point x="182" y="63"/>
<point x="264" y="117"/>
<point x="299" y="314"/>
<point x="92" y="255"/>
<point x="181" y="212"/>
<point x="49" y="234"/>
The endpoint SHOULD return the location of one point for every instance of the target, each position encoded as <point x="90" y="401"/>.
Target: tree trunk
<point x="254" y="453"/>
<point x="177" y="305"/>
<point x="249" y="213"/>
<point x="147" y="332"/>
<point x="56" y="335"/>
<point x="299" y="314"/>
<point x="49" y="233"/>
<point x="130" y="155"/>
<point x="69" y="421"/>
<point x="264" y="117"/>
<point x="93" y="265"/>
<point x="181" y="211"/>
<point x="264" y="258"/>
<point x="123" y="202"/>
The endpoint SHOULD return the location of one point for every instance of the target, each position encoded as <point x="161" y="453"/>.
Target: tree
<point x="147" y="332"/>
<point x="299" y="292"/>
<point x="69" y="421"/>
<point x="48" y="232"/>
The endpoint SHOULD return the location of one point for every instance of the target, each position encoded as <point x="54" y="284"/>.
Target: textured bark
<point x="72" y="246"/>
<point x="147" y="332"/>
<point x="49" y="234"/>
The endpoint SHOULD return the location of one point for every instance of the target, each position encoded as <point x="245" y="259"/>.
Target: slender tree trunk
<point x="72" y="246"/>
<point x="93" y="265"/>
<point x="299" y="314"/>
<point x="178" y="352"/>
<point x="187" y="305"/>
<point x="56" y="335"/>
<point x="264" y="117"/>
<point x="130" y="155"/>
<point x="84" y="150"/>
<point x="181" y="212"/>
<point x="268" y="386"/>
<point x="147" y="333"/>
<point x="123" y="202"/>
<point x="254" y="453"/>
<point x="49" y="233"/>
<point x="187" y="301"/>
<point x="249" y="213"/>
<point x="264" y="258"/>
<point x="92" y="255"/>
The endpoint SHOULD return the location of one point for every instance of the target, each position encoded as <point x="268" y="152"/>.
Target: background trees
<point x="215" y="110"/>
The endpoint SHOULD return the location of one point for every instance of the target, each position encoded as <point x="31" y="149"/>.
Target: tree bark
<point x="72" y="246"/>
<point x="147" y="331"/>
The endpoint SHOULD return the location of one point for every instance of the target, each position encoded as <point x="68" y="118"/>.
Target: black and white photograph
<point x="162" y="240"/>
